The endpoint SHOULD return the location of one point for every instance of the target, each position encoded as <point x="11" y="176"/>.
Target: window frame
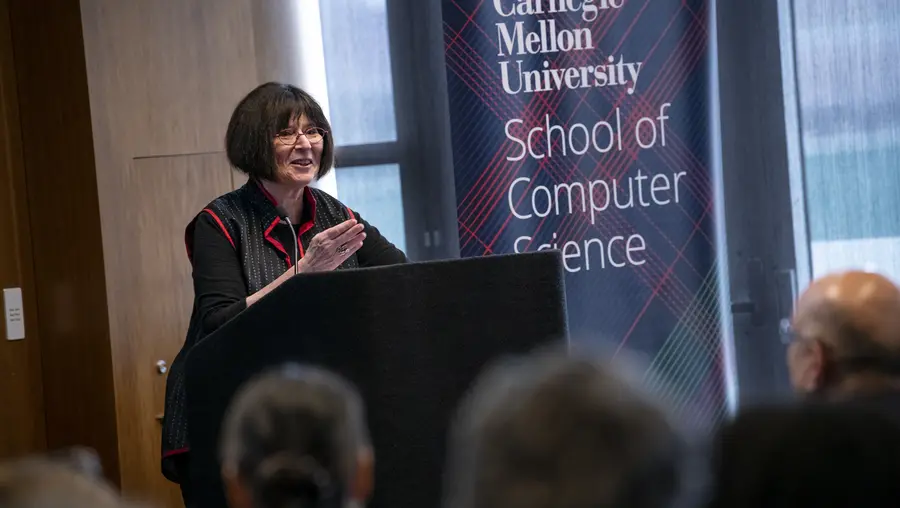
<point x="765" y="257"/>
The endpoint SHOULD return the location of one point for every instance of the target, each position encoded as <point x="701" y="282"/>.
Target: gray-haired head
<point x="296" y="436"/>
<point x="556" y="430"/>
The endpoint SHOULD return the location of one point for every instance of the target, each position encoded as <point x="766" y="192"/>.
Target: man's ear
<point x="364" y="478"/>
<point x="817" y="365"/>
<point x="236" y="492"/>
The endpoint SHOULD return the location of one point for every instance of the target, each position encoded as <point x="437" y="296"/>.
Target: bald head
<point x="866" y="304"/>
<point x="844" y="315"/>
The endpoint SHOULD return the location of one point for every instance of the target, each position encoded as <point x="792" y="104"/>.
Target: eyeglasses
<point x="313" y="134"/>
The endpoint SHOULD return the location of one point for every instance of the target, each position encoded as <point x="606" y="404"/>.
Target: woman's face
<point x="298" y="152"/>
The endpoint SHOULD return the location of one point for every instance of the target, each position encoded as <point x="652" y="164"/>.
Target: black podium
<point x="411" y="337"/>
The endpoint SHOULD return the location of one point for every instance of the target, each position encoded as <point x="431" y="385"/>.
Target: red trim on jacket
<point x="308" y="199"/>
<point x="271" y="239"/>
<point x="266" y="192"/>
<point x="189" y="234"/>
<point x="221" y="225"/>
<point x="172" y="453"/>
<point x="309" y="202"/>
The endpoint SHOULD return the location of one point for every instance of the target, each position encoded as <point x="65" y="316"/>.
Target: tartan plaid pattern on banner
<point x="587" y="131"/>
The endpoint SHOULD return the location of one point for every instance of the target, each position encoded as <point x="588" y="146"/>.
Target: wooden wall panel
<point x="165" y="74"/>
<point x="57" y="149"/>
<point x="21" y="387"/>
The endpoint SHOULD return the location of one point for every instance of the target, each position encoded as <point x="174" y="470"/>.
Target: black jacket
<point x="238" y="245"/>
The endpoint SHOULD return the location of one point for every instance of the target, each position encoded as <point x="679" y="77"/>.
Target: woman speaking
<point x="242" y="245"/>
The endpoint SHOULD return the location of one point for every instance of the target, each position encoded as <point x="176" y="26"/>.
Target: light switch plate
<point x="15" y="319"/>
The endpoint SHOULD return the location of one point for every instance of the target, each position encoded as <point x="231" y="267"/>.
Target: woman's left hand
<point x="330" y="248"/>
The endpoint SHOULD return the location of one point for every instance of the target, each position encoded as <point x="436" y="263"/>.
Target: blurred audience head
<point x="296" y="437"/>
<point x="81" y="459"/>
<point x="812" y="455"/>
<point x="846" y="335"/>
<point x="50" y="483"/>
<point x="555" y="430"/>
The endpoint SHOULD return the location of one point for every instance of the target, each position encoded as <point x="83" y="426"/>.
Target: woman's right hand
<point x="330" y="248"/>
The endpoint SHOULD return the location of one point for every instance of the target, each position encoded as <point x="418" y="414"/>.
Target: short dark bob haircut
<point x="257" y="120"/>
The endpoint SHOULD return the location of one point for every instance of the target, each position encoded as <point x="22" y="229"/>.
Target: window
<point x="361" y="98"/>
<point x="374" y="192"/>
<point x="850" y="127"/>
<point x="358" y="68"/>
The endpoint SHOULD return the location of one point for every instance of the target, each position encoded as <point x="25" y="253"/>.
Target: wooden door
<point x="167" y="193"/>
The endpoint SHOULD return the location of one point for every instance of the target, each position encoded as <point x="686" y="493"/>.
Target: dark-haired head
<point x="811" y="455"/>
<point x="279" y="133"/>
<point x="296" y="437"/>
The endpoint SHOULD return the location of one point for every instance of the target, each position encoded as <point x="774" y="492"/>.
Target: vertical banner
<point x="583" y="126"/>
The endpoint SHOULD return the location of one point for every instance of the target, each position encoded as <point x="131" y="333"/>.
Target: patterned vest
<point x="247" y="218"/>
